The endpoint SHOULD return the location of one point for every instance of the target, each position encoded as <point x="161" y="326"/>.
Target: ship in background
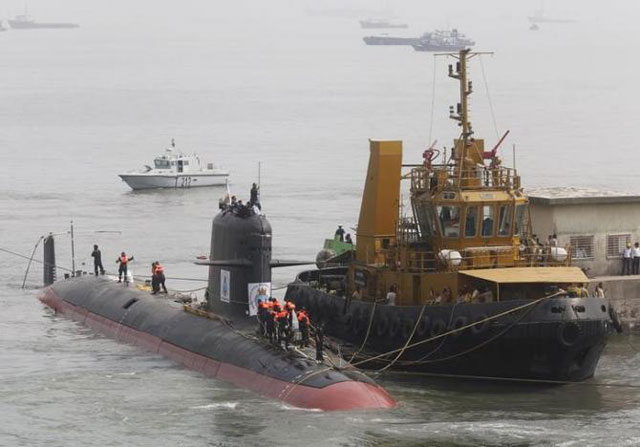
<point x="25" y="21"/>
<point x="381" y="24"/>
<point x="458" y="286"/>
<point x="438" y="40"/>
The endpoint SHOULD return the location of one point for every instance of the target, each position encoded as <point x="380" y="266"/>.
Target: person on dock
<point x="626" y="260"/>
<point x="392" y="295"/>
<point x="635" y="261"/>
<point x="97" y="260"/>
<point x="158" y="274"/>
<point x="123" y="260"/>
<point x="339" y="234"/>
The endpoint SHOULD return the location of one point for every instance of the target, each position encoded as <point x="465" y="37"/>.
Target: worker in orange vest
<point x="304" y="323"/>
<point x="263" y="314"/>
<point x="123" y="260"/>
<point x="158" y="274"/>
<point x="282" y="320"/>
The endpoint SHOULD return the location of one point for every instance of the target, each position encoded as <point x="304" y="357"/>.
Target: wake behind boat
<point x="176" y="170"/>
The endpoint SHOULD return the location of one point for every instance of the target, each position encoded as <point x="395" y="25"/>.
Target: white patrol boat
<point x="176" y="170"/>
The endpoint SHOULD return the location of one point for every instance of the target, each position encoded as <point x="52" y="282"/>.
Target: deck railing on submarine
<point x="440" y="177"/>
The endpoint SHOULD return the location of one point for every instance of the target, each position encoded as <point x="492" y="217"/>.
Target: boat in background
<point x="24" y="21"/>
<point x="381" y="24"/>
<point x="443" y="40"/>
<point x="438" y="40"/>
<point x="176" y="170"/>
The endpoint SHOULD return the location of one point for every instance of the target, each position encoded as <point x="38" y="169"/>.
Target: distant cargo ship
<point x="390" y="40"/>
<point x="381" y="24"/>
<point x="439" y="40"/>
<point x="443" y="41"/>
<point x="23" y="21"/>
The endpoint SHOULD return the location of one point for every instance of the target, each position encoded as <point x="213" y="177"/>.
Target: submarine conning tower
<point x="239" y="261"/>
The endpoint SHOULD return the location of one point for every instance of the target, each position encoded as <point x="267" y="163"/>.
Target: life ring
<point x="406" y="328"/>
<point x="481" y="326"/>
<point x="459" y="322"/>
<point x="394" y="327"/>
<point x="569" y="333"/>
<point x="382" y="326"/>
<point x="438" y="327"/>
<point x="423" y="326"/>
<point x="615" y="319"/>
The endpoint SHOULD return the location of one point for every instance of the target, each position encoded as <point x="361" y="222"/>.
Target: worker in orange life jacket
<point x="304" y="323"/>
<point x="282" y="321"/>
<point x="270" y="324"/>
<point x="123" y="260"/>
<point x="263" y="314"/>
<point x="158" y="274"/>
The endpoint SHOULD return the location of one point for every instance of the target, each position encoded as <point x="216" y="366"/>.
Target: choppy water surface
<point x="301" y="93"/>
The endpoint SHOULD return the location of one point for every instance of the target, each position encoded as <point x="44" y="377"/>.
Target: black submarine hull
<point x="211" y="346"/>
<point x="559" y="339"/>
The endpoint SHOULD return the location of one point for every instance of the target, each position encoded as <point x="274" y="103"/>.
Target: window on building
<point x="616" y="243"/>
<point x="581" y="247"/>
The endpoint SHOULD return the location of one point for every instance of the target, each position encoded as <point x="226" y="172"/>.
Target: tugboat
<point x="219" y="339"/>
<point x="441" y="40"/>
<point x="176" y="170"/>
<point x="459" y="287"/>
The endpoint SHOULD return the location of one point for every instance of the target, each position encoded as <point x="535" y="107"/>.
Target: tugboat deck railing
<point x="442" y="177"/>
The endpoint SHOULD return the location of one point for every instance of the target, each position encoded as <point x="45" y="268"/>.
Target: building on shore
<point x="596" y="226"/>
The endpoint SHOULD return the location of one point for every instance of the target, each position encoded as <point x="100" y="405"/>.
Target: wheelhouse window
<point x="426" y="219"/>
<point x="449" y="220"/>
<point x="487" y="220"/>
<point x="520" y="209"/>
<point x="506" y="216"/>
<point x="161" y="164"/>
<point x="471" y="222"/>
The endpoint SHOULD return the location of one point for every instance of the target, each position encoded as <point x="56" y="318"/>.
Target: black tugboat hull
<point x="558" y="339"/>
<point x="211" y="346"/>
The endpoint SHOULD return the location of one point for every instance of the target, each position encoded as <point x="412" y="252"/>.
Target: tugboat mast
<point x="461" y="113"/>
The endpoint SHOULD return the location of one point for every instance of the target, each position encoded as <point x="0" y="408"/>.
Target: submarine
<point x="219" y="339"/>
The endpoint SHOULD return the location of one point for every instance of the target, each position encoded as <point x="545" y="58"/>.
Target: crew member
<point x="123" y="260"/>
<point x="319" y="336"/>
<point x="271" y="324"/>
<point x="158" y="273"/>
<point x="263" y="314"/>
<point x="339" y="234"/>
<point x="348" y="239"/>
<point x="282" y="322"/>
<point x="97" y="260"/>
<point x="304" y="323"/>
<point x="255" y="196"/>
<point x="154" y="280"/>
<point x="599" y="290"/>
